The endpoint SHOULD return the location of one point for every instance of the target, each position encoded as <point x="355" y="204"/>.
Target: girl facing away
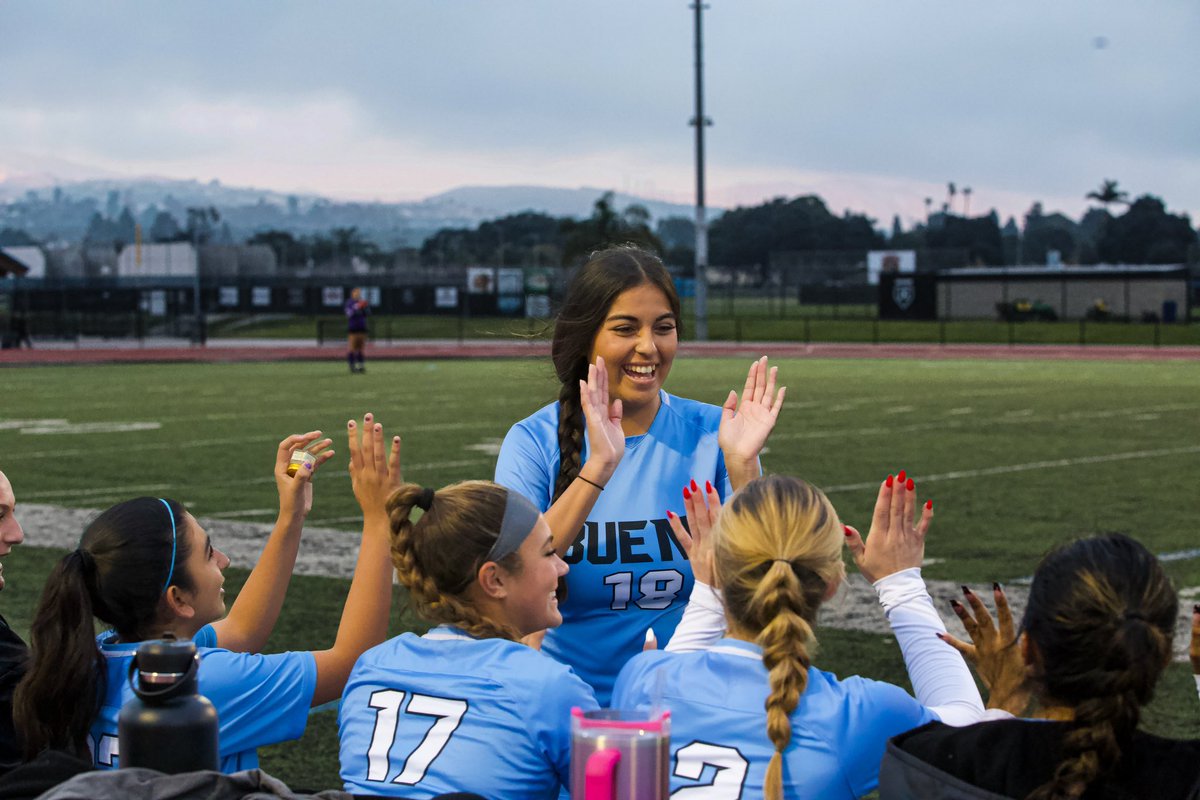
<point x="1094" y="641"/>
<point x="604" y="494"/>
<point x="750" y="714"/>
<point x="465" y="707"/>
<point x="146" y="567"/>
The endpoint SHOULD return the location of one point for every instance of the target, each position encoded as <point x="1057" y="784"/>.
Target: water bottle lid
<point x="165" y="663"/>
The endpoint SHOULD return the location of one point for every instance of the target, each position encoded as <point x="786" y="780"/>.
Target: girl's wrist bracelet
<point x="593" y="483"/>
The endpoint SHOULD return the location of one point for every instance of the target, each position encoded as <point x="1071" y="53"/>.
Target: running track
<point x="234" y="350"/>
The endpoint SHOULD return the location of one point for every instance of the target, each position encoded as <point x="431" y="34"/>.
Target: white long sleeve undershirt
<point x="940" y="678"/>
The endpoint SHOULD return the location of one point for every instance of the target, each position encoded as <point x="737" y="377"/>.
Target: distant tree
<point x="951" y="191"/>
<point x="1045" y="232"/>
<point x="1108" y="194"/>
<point x="15" y="237"/>
<point x="1147" y="234"/>
<point x="290" y="253"/>
<point x="165" y="229"/>
<point x="897" y="228"/>
<point x="200" y="223"/>
<point x="525" y="238"/>
<point x="747" y="236"/>
<point x="606" y="227"/>
<point x="979" y="237"/>
<point x="966" y="192"/>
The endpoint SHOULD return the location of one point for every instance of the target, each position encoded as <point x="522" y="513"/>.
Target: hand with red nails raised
<point x="993" y="651"/>
<point x="374" y="470"/>
<point x="295" y="492"/>
<point x="701" y="510"/>
<point x="745" y="427"/>
<point x="897" y="538"/>
<point x="606" y="440"/>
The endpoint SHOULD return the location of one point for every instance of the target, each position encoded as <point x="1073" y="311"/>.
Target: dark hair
<point x="437" y="557"/>
<point x="591" y="294"/>
<point x="1101" y="616"/>
<point x="118" y="575"/>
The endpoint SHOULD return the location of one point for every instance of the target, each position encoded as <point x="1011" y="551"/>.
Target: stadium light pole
<point x="700" y="122"/>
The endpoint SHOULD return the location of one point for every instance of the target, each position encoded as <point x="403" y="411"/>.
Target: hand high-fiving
<point x="897" y="537"/>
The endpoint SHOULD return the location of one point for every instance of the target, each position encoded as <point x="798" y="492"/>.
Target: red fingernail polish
<point x="686" y="494"/>
<point x="996" y="587"/>
<point x="966" y="589"/>
<point x="910" y="485"/>
<point x="695" y="488"/>
<point x="889" y="481"/>
<point x="846" y="530"/>
<point x="670" y="515"/>
<point x="928" y="505"/>
<point x="900" y="477"/>
<point x="1196" y="608"/>
<point x="708" y="486"/>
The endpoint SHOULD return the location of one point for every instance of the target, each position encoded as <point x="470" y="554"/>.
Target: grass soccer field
<point x="1016" y="456"/>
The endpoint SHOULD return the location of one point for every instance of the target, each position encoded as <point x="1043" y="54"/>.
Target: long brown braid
<point x="437" y="557"/>
<point x="1100" y="619"/>
<point x="778" y="549"/>
<point x="591" y="294"/>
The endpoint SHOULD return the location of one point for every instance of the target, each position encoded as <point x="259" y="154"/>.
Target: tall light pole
<point x="700" y="122"/>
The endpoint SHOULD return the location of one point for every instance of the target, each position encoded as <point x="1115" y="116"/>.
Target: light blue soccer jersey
<point x="260" y="699"/>
<point x="719" y="724"/>
<point x="627" y="571"/>
<point x="445" y="712"/>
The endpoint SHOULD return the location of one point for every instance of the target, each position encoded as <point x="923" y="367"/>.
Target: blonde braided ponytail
<point x="778" y="550"/>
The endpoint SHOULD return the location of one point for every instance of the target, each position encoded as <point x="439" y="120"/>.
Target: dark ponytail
<point x="591" y="294"/>
<point x="1100" y="616"/>
<point x="118" y="574"/>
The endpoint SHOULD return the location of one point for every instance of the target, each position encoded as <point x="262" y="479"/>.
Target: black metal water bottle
<point x="168" y="726"/>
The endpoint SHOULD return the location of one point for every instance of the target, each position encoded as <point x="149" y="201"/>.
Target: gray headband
<point x="520" y="516"/>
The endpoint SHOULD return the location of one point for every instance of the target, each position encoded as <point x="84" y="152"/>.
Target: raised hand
<point x="745" y="425"/>
<point x="701" y="512"/>
<point x="993" y="650"/>
<point x="897" y="538"/>
<point x="374" y="472"/>
<point x="295" y="492"/>
<point x="606" y="440"/>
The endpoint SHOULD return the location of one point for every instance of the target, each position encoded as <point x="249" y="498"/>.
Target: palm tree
<point x="1107" y="194"/>
<point x="928" y="207"/>
<point x="951" y="190"/>
<point x="966" y="201"/>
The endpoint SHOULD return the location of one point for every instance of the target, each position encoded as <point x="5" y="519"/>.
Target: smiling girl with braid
<point x="466" y="707"/>
<point x="605" y="498"/>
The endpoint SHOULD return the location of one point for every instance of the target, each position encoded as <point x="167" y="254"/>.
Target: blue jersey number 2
<point x="447" y="713"/>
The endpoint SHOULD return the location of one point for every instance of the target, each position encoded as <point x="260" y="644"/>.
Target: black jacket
<point x="1011" y="758"/>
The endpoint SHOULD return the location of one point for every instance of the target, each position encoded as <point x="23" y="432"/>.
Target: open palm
<point x="745" y="426"/>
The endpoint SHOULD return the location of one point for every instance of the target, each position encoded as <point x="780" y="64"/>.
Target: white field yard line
<point x="193" y="443"/>
<point x="964" y="419"/>
<point x="129" y="490"/>
<point x="1005" y="469"/>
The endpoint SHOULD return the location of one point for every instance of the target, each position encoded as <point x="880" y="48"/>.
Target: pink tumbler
<point x="615" y="756"/>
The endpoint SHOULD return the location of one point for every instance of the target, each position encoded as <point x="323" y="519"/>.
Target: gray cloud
<point x="1016" y="96"/>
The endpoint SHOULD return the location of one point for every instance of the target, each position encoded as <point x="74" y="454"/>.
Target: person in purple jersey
<point x="605" y="495"/>
<point x="146" y="567"/>
<point x="750" y="714"/>
<point x="356" y="309"/>
<point x="466" y="707"/>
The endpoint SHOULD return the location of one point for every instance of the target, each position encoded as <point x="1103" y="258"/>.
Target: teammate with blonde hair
<point x="752" y="705"/>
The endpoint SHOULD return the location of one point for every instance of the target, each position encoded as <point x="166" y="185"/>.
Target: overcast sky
<point x="873" y="105"/>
